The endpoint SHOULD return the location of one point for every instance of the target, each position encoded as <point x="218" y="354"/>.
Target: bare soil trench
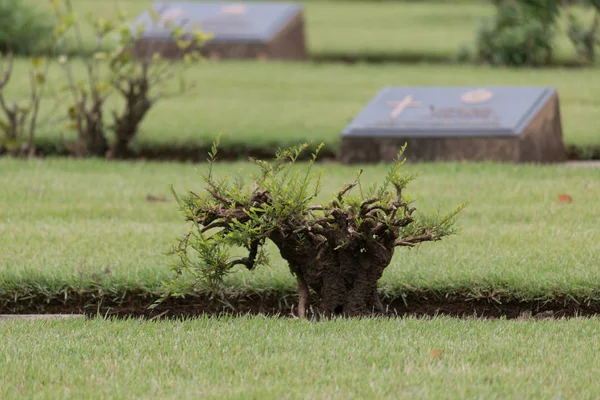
<point x="235" y="152"/>
<point x="284" y="305"/>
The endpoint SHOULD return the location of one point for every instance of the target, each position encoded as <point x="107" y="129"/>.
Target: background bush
<point x="584" y="38"/>
<point x="23" y="29"/>
<point x="521" y="33"/>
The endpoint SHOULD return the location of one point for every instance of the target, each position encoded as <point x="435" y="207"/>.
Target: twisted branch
<point x="412" y="241"/>
<point x="247" y="261"/>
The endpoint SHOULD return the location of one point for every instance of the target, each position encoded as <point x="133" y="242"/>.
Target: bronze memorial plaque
<point x="493" y="123"/>
<point x="263" y="30"/>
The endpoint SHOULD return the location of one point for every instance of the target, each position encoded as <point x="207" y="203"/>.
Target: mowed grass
<point x="402" y="30"/>
<point x="86" y="225"/>
<point x="265" y="358"/>
<point x="356" y="28"/>
<point x="260" y="105"/>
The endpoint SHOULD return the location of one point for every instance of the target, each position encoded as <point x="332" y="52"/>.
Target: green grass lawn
<point x="264" y="105"/>
<point x="87" y="225"/>
<point x="359" y="28"/>
<point x="394" y="29"/>
<point x="264" y="358"/>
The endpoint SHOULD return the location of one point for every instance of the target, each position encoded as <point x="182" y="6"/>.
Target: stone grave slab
<point x="260" y="30"/>
<point x="493" y="123"/>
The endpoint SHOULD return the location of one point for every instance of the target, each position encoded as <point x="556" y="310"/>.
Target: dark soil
<point x="188" y="152"/>
<point x="285" y="305"/>
<point x="418" y="58"/>
<point x="197" y="153"/>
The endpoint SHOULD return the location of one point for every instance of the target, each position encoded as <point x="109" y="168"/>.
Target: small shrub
<point x="464" y="54"/>
<point x="521" y="33"/>
<point x="585" y="39"/>
<point x="23" y="29"/>
<point x="19" y="119"/>
<point x="139" y="82"/>
<point x="338" y="249"/>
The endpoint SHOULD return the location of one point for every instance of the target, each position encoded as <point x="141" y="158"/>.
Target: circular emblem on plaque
<point x="234" y="9"/>
<point x="476" y="96"/>
<point x="171" y="14"/>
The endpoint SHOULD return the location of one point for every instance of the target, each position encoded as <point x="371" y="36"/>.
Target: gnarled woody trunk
<point x="341" y="265"/>
<point x="345" y="280"/>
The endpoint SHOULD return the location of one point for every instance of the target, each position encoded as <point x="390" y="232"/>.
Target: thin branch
<point x="213" y="192"/>
<point x="72" y="84"/>
<point x="373" y="211"/>
<point x="247" y="261"/>
<point x="6" y="72"/>
<point x="88" y="64"/>
<point x="400" y="243"/>
<point x="3" y="105"/>
<point x="368" y="202"/>
<point x="403" y="222"/>
<point x="303" y="294"/>
<point x="216" y="224"/>
<point x="412" y="241"/>
<point x="35" y="99"/>
<point x="345" y="190"/>
<point x="319" y="221"/>
<point x="379" y="229"/>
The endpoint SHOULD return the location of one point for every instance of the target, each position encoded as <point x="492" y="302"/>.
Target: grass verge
<point x="262" y="106"/>
<point x="87" y="231"/>
<point x="270" y="359"/>
<point x="363" y="29"/>
<point x="393" y="31"/>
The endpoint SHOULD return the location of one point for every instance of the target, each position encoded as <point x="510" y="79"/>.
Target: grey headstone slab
<point x="227" y="21"/>
<point x="473" y="111"/>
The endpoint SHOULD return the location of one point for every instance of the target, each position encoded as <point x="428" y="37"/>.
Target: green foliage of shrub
<point x="139" y="79"/>
<point x="521" y="33"/>
<point x="19" y="119"/>
<point x="585" y="39"/>
<point x="23" y="29"/>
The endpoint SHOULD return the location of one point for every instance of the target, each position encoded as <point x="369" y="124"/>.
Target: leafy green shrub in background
<point x="138" y="81"/>
<point x="585" y="39"/>
<point x="19" y="117"/>
<point x="521" y="33"/>
<point x="23" y="29"/>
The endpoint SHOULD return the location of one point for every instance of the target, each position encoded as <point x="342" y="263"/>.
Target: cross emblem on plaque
<point x="402" y="104"/>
